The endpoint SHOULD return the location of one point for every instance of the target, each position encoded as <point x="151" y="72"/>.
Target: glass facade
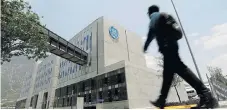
<point x="83" y="42"/>
<point x="43" y="76"/>
<point x="107" y="87"/>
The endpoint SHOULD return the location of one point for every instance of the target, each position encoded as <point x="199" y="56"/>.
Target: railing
<point x="64" y="49"/>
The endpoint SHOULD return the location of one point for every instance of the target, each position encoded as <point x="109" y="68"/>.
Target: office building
<point x="115" y="76"/>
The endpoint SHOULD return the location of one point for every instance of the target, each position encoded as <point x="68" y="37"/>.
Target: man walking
<point x="164" y="28"/>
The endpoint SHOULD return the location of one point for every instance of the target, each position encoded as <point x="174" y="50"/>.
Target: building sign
<point x="113" y="32"/>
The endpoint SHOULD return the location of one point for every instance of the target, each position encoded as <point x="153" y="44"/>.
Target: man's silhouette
<point x="164" y="28"/>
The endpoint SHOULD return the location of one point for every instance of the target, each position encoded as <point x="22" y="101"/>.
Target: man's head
<point x="152" y="9"/>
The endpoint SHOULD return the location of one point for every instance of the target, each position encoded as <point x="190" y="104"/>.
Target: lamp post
<point x="189" y="47"/>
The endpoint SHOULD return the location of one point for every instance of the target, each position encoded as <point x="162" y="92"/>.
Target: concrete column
<point x="54" y="83"/>
<point x="80" y="103"/>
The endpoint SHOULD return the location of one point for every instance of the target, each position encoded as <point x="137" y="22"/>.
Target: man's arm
<point x="150" y="37"/>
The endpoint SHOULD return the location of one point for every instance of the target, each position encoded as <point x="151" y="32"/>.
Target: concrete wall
<point x="127" y="47"/>
<point x="115" y="50"/>
<point x="143" y="85"/>
<point x="135" y="48"/>
<point x="113" y="105"/>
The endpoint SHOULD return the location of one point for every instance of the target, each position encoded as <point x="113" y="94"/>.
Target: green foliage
<point x="21" y="32"/>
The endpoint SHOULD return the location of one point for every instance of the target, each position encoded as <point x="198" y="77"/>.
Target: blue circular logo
<point x="113" y="32"/>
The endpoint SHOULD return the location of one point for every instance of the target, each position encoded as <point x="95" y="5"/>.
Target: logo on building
<point x="113" y="32"/>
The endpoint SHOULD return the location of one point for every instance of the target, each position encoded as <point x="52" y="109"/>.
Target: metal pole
<point x="190" y="50"/>
<point x="72" y="99"/>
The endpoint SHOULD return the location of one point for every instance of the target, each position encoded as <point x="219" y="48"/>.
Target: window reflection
<point x="107" y="87"/>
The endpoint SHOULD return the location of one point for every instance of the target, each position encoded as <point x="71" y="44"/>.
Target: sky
<point x="204" y="22"/>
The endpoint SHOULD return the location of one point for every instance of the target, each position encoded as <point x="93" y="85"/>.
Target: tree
<point x="21" y="32"/>
<point x="176" y="79"/>
<point x="216" y="78"/>
<point x="216" y="73"/>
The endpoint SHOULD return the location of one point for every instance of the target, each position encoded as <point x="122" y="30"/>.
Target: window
<point x="84" y="43"/>
<point x="76" y="67"/>
<point x="49" y="80"/>
<point x="69" y="70"/>
<point x="60" y="102"/>
<point x="90" y="61"/>
<point x="66" y="73"/>
<point x="31" y="101"/>
<point x="44" y="103"/>
<point x="69" y="90"/>
<point x="116" y="94"/>
<point x="73" y="69"/>
<point x="85" y="98"/>
<point x="50" y="70"/>
<point x="91" y="42"/>
<point x="69" y="101"/>
<point x="105" y="81"/>
<point x="83" y="86"/>
<point x="81" y="43"/>
<point x="123" y="93"/>
<point x="109" y="96"/>
<point x="64" y="95"/>
<point x="89" y="97"/>
<point x="74" y="88"/>
<point x="87" y="42"/>
<point x="59" y="76"/>
<point x="65" y="102"/>
<point x="93" y="83"/>
<point x="57" y="92"/>
<point x="63" y="74"/>
<point x="121" y="78"/>
<point x="113" y="80"/>
<point x="100" y="95"/>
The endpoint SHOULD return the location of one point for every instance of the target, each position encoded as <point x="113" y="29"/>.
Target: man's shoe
<point x="159" y="103"/>
<point x="207" y="101"/>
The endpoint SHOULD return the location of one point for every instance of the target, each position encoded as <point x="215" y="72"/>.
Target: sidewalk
<point x="223" y="105"/>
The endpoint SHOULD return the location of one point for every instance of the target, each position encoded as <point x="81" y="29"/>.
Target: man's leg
<point x="166" y="84"/>
<point x="168" y="74"/>
<point x="206" y="98"/>
<point x="190" y="77"/>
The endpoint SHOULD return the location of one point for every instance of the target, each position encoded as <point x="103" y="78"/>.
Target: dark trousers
<point x="172" y="65"/>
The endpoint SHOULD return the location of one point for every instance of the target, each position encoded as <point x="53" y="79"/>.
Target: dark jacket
<point x="158" y="30"/>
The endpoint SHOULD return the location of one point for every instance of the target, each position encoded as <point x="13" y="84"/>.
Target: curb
<point x="180" y="106"/>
